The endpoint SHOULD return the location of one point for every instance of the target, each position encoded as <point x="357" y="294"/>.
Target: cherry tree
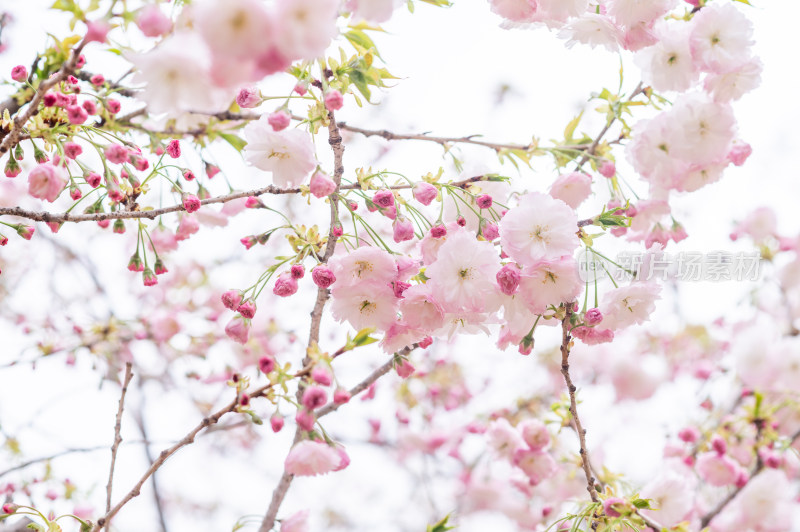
<point x="244" y="290"/>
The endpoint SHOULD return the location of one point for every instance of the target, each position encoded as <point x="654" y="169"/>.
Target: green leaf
<point x="440" y="526"/>
<point x="234" y="141"/>
<point x="641" y="504"/>
<point x="569" y="131"/>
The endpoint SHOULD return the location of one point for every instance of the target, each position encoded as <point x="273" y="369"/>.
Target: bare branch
<point x="117" y="435"/>
<point x="566" y="341"/>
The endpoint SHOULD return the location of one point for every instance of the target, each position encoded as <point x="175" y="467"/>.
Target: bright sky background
<point x="454" y="64"/>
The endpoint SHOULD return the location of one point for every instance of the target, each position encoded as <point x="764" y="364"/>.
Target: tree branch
<point x="117" y="435"/>
<point x="566" y="341"/>
<point x="379" y="372"/>
<point x="596" y="142"/>
<point x="335" y="141"/>
<point x="48" y="217"/>
<point x="186" y="440"/>
<point x="20" y="120"/>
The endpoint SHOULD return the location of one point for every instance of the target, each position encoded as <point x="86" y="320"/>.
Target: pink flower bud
<point x="535" y="434"/>
<point x="321" y="185"/>
<point x="97" y="31"/>
<point x="76" y="115"/>
<point x="266" y="364"/>
<point x="174" y="148"/>
<point x="116" y="154"/>
<point x="490" y="231"/>
<point x="279" y="120"/>
<point x="508" y="278"/>
<point x="252" y="202"/>
<point x="323" y="276"/>
<point x="149" y="278"/>
<point x="321" y="375"/>
<point x="159" y="267"/>
<point x="300" y="89"/>
<point x="337" y="230"/>
<point x="592" y="317"/>
<point x="247" y="309"/>
<point x="248" y="98"/>
<point x="314" y="397"/>
<point x="403" y="230"/>
<point x="72" y="150"/>
<point x="298" y="271"/>
<point x="484" y="201"/>
<point x="333" y="100"/>
<point x="191" y="203"/>
<point x="383" y="198"/>
<point x="153" y="22"/>
<point x="97" y="80"/>
<point x="461" y="221"/>
<point x="438" y="231"/>
<point x="276" y="422"/>
<point x="93" y="179"/>
<point x="341" y="396"/>
<point x="425" y="342"/>
<point x="231" y="299"/>
<point x="404" y="368"/>
<point x="719" y="445"/>
<point x="113" y="106"/>
<point x="75" y="193"/>
<point x="739" y="153"/>
<point x="305" y="419"/>
<point x="424" y="192"/>
<point x="19" y="73"/>
<point x="211" y="170"/>
<point x="12" y="168"/>
<point x="238" y="329"/>
<point x="607" y="169"/>
<point x="25" y="231"/>
<point x="285" y="285"/>
<point x="89" y="107"/>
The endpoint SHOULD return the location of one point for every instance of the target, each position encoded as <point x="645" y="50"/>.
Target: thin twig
<point x="335" y="141"/>
<point x="596" y="142"/>
<point x="140" y="422"/>
<point x="183" y="442"/>
<point x="117" y="434"/>
<point x="379" y="372"/>
<point x="566" y="340"/>
<point x="48" y="217"/>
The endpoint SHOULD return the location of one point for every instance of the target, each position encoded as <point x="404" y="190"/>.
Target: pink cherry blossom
<point x="539" y="228"/>
<point x="46" y="181"/>
<point x="310" y="458"/>
<point x="288" y="154"/>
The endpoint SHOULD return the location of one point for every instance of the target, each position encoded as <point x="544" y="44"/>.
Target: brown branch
<point x="186" y="440"/>
<point x="20" y="120"/>
<point x="335" y="141"/>
<point x="47" y="458"/>
<point x="379" y="372"/>
<point x="42" y="216"/>
<point x="759" y="467"/>
<point x="596" y="142"/>
<point x="150" y="460"/>
<point x="117" y="435"/>
<point x="116" y="87"/>
<point x="566" y="341"/>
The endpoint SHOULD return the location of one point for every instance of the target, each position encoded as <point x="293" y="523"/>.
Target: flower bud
<point x="285" y="285"/>
<point x="279" y="120"/>
<point x="323" y="276"/>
